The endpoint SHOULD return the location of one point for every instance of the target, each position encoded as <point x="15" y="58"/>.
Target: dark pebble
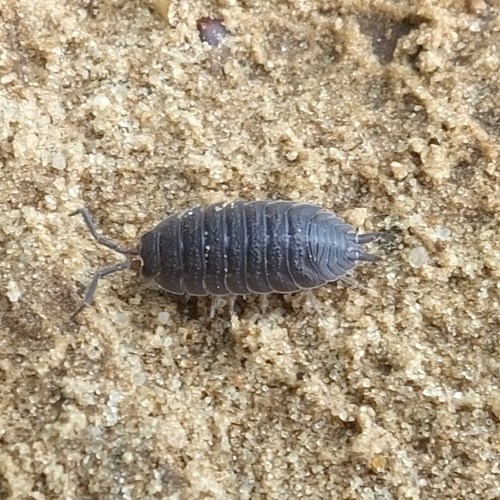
<point x="211" y="30"/>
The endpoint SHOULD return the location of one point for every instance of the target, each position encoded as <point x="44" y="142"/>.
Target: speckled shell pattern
<point x="241" y="247"/>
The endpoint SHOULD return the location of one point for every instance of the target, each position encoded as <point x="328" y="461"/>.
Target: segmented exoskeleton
<point x="239" y="248"/>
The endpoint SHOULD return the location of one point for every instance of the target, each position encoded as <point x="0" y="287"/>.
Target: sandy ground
<point x="387" y="113"/>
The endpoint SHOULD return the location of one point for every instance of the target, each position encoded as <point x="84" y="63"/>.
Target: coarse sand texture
<point x="386" y="113"/>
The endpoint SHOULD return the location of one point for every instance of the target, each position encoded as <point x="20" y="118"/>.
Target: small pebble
<point x="399" y="170"/>
<point x="477" y="6"/>
<point x="161" y="7"/>
<point x="58" y="160"/>
<point x="163" y="317"/>
<point x="13" y="291"/>
<point x="211" y="30"/>
<point x="418" y="257"/>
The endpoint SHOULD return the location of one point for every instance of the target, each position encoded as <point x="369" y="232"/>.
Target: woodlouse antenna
<point x="102" y="240"/>
<point x="90" y="291"/>
<point x="106" y="271"/>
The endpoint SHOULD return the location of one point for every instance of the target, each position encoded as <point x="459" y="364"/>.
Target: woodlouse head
<point x="149" y="254"/>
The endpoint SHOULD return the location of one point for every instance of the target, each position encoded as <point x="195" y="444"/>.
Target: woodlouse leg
<point x="101" y="273"/>
<point x="185" y="302"/>
<point x="312" y="298"/>
<point x="232" y="300"/>
<point x="352" y="282"/>
<point x="263" y="303"/>
<point x="213" y="306"/>
<point x="102" y="240"/>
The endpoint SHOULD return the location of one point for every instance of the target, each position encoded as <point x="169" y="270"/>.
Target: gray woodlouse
<point x="239" y="248"/>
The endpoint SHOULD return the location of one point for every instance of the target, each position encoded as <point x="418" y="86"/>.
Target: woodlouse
<point x="239" y="248"/>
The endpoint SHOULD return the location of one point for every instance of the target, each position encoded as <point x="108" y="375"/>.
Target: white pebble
<point x="58" y="160"/>
<point x="442" y="233"/>
<point x="100" y="101"/>
<point x="475" y="27"/>
<point x="418" y="257"/>
<point x="163" y="317"/>
<point x="13" y="291"/>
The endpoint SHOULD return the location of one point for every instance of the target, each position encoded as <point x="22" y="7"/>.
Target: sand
<point x="385" y="112"/>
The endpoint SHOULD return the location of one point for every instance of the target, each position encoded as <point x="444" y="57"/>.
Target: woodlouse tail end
<point x="363" y="239"/>
<point x="367" y="257"/>
<point x="357" y="253"/>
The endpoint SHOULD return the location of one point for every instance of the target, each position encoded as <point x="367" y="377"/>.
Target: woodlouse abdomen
<point x="240" y="248"/>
